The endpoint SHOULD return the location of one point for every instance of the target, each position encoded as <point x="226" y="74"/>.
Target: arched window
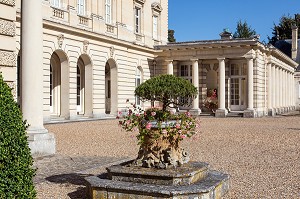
<point x="138" y="80"/>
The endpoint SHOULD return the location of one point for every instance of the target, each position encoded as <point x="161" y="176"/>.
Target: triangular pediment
<point x="156" y="6"/>
<point x="140" y="1"/>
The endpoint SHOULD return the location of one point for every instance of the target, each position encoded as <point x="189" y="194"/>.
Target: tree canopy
<point x="243" y="30"/>
<point x="171" y="37"/>
<point x="283" y="30"/>
<point x="166" y="89"/>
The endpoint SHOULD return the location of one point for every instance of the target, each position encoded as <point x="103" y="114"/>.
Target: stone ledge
<point x="7" y="28"/>
<point x="214" y="186"/>
<point x="8" y="2"/>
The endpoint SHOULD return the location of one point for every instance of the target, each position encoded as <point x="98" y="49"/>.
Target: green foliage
<point x="283" y="30"/>
<point x="16" y="172"/>
<point x="243" y="30"/>
<point x="171" y="37"/>
<point x="167" y="89"/>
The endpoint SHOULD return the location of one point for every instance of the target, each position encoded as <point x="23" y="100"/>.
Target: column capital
<point x="194" y="59"/>
<point x="221" y="59"/>
<point x="169" y="60"/>
<point x="249" y="57"/>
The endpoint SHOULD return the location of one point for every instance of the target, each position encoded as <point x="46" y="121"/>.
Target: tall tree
<point x="171" y="37"/>
<point x="243" y="30"/>
<point x="283" y="30"/>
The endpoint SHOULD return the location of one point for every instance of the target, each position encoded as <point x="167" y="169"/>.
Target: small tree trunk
<point x="161" y="152"/>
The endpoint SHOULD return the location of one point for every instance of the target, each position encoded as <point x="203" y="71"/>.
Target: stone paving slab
<point x="58" y="167"/>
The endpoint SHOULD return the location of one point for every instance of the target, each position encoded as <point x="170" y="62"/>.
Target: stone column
<point x="170" y="68"/>
<point x="274" y="82"/>
<point x="250" y="109"/>
<point x="277" y="90"/>
<point x="221" y="112"/>
<point x="195" y="74"/>
<point x="280" y="90"/>
<point x="270" y="86"/>
<point x="40" y="141"/>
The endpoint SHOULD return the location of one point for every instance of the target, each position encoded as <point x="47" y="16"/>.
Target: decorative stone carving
<point x="60" y="39"/>
<point x="112" y="51"/>
<point x="8" y="2"/>
<point x="156" y="7"/>
<point x="85" y="46"/>
<point x="7" y="58"/>
<point x="7" y="28"/>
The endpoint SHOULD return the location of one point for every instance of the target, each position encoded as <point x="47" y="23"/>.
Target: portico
<point x="248" y="76"/>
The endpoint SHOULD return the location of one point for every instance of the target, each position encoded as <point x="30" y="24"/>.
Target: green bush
<point x="16" y="172"/>
<point x="167" y="89"/>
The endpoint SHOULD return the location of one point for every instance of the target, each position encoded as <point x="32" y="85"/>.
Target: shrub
<point x="16" y="172"/>
<point x="167" y="89"/>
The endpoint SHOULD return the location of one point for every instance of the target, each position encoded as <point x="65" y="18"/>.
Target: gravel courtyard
<point x="261" y="155"/>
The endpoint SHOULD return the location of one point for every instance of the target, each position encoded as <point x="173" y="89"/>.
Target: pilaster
<point x="170" y="68"/>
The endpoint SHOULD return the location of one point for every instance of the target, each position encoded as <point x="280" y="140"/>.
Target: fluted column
<point x="270" y="85"/>
<point x="221" y="112"/>
<point x="170" y="68"/>
<point x="40" y="141"/>
<point x="274" y="82"/>
<point x="222" y="83"/>
<point x="195" y="78"/>
<point x="250" y="83"/>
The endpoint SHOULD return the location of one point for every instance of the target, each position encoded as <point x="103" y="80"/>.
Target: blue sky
<point x="205" y="19"/>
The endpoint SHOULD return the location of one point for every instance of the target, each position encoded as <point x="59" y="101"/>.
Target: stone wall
<point x="8" y="42"/>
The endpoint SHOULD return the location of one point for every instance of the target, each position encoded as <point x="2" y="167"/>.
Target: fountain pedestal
<point x="192" y="180"/>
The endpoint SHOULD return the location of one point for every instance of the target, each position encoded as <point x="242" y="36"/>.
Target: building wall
<point x="8" y="42"/>
<point x="70" y="36"/>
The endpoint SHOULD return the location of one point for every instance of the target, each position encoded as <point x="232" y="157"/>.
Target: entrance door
<point x="238" y="94"/>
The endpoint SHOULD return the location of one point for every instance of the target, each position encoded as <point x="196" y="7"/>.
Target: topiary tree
<point x="167" y="89"/>
<point x="16" y="172"/>
<point x="160" y="131"/>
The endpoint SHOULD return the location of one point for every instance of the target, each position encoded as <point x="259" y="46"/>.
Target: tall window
<point x="55" y="3"/>
<point x="155" y="27"/>
<point x="137" y="20"/>
<point x="81" y="7"/>
<point x="78" y="87"/>
<point x="108" y="11"/>
<point x="51" y="88"/>
<point x="137" y="83"/>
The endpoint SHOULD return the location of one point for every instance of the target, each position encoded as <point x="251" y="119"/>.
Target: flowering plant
<point x="211" y="102"/>
<point x="156" y="123"/>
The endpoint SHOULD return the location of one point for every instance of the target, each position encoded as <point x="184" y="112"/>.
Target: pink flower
<point x="177" y="126"/>
<point x="188" y="114"/>
<point x="128" y="121"/>
<point x="120" y="113"/>
<point x="148" y="126"/>
<point x="153" y="113"/>
<point x="179" y="131"/>
<point x="164" y="131"/>
<point x="183" y="136"/>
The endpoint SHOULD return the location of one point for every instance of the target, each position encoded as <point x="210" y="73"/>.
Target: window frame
<point x="155" y="27"/>
<point x="108" y="11"/>
<point x="81" y="7"/>
<point x="55" y="3"/>
<point x="137" y="19"/>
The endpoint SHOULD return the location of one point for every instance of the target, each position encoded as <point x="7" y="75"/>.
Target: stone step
<point x="235" y="114"/>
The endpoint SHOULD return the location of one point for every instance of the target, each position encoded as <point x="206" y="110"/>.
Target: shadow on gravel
<point x="296" y="129"/>
<point x="72" y="178"/>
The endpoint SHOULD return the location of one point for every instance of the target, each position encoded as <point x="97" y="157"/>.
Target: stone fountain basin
<point x="192" y="180"/>
<point x="186" y="174"/>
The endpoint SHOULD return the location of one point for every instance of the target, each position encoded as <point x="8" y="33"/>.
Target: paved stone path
<point x="59" y="168"/>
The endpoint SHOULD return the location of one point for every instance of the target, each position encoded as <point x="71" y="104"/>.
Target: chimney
<point x="226" y="34"/>
<point x="294" y="42"/>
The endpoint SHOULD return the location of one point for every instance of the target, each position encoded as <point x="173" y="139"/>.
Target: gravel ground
<point x="261" y="155"/>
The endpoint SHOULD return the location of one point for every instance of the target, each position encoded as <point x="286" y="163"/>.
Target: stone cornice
<point x="8" y="2"/>
<point x="7" y="28"/>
